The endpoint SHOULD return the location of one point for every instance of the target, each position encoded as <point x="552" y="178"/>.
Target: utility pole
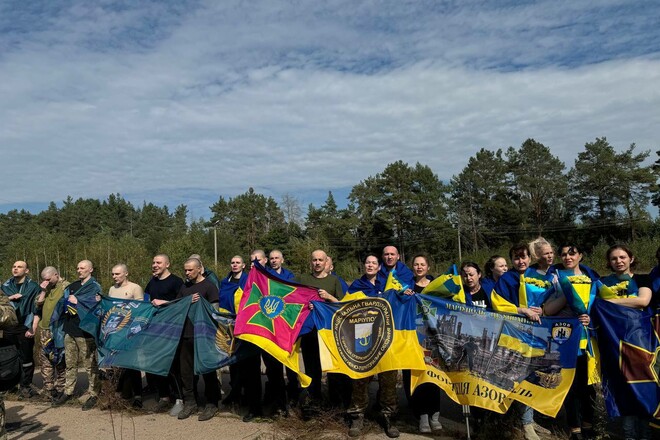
<point x="458" y="230"/>
<point x="215" y="242"/>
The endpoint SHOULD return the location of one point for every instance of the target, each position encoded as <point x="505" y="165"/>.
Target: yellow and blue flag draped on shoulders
<point x="488" y="359"/>
<point x="448" y="285"/>
<point x="363" y="337"/>
<point x="524" y="342"/>
<point x="395" y="282"/>
<point x="230" y="293"/>
<point x="513" y="290"/>
<point x="580" y="292"/>
<point x="360" y="288"/>
<point x="617" y="286"/>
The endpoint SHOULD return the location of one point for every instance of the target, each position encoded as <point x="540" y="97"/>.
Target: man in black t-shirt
<point x="196" y="286"/>
<point x="164" y="286"/>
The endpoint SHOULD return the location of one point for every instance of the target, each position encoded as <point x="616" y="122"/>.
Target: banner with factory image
<point x="488" y="359"/>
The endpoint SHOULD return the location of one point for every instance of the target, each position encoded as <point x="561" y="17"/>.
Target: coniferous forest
<point x="501" y="197"/>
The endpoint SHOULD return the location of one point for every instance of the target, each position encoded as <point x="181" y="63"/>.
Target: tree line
<point x="500" y="197"/>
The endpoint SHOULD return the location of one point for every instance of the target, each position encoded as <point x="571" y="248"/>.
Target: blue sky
<point x="184" y="101"/>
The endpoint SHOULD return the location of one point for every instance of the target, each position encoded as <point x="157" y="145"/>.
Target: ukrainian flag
<point x="448" y="285"/>
<point x="521" y="341"/>
<point x="615" y="287"/>
<point x="395" y="283"/>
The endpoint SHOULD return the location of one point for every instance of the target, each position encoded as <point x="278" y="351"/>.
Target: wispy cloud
<point x="191" y="100"/>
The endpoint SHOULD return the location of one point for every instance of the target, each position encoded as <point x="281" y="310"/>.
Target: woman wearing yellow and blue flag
<point x="476" y="288"/>
<point x="494" y="268"/>
<point x="575" y="296"/>
<point x="623" y="288"/>
<point x="522" y="290"/>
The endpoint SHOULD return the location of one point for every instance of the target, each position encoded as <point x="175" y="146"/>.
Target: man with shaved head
<point x="330" y="290"/>
<point x="22" y="292"/>
<point x="207" y="273"/>
<point x="163" y="287"/>
<point x="79" y="346"/>
<point x="196" y="287"/>
<point x="275" y="262"/>
<point x="130" y="381"/>
<point x="391" y="261"/>
<point x="52" y="289"/>
<point x="124" y="289"/>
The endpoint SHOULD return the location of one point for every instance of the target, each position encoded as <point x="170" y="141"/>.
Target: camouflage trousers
<point x="53" y="376"/>
<point x="386" y="394"/>
<point x="3" y="432"/>
<point x="81" y="351"/>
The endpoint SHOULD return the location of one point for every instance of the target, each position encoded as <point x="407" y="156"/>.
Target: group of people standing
<point x="559" y="289"/>
<point x="497" y="289"/>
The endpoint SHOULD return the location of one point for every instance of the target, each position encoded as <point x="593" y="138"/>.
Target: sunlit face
<point x="546" y="256"/>
<point x="420" y="267"/>
<point x="499" y="268"/>
<point x="318" y="261"/>
<point x="620" y="261"/>
<point x="570" y="257"/>
<point x="390" y="256"/>
<point x="470" y="277"/>
<point x="521" y="261"/>
<point x="237" y="265"/>
<point x="192" y="271"/>
<point x="159" y="265"/>
<point x="119" y="275"/>
<point x="371" y="266"/>
<point x="19" y="269"/>
<point x="84" y="270"/>
<point x="276" y="259"/>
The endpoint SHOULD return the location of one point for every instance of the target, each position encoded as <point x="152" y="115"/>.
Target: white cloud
<point x="289" y="99"/>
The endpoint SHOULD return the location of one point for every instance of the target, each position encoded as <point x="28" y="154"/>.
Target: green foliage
<point x="497" y="199"/>
<point x="538" y="185"/>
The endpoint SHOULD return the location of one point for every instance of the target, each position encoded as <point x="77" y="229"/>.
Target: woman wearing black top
<point x="425" y="401"/>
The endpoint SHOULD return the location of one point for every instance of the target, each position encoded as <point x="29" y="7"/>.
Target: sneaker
<point x="435" y="422"/>
<point x="61" y="400"/>
<point x="530" y="434"/>
<point x="390" y="429"/>
<point x="424" y="426"/>
<point x="357" y="424"/>
<point x="207" y="413"/>
<point x="91" y="403"/>
<point x="177" y="408"/>
<point x="187" y="411"/>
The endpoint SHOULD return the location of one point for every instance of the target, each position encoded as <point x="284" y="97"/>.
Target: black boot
<point x="357" y="424"/>
<point x="390" y="430"/>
